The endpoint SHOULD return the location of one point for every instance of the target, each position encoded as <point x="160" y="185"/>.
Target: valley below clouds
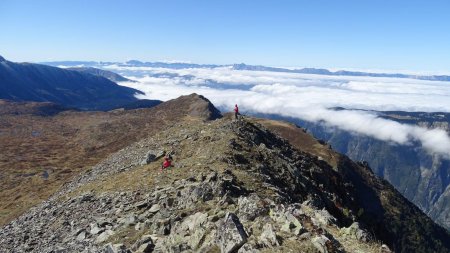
<point x="308" y="97"/>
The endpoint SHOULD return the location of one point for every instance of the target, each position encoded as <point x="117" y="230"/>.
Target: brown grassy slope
<point x="39" y="153"/>
<point x="301" y="140"/>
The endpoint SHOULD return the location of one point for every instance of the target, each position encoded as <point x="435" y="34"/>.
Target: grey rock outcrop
<point x="151" y="156"/>
<point x="231" y="234"/>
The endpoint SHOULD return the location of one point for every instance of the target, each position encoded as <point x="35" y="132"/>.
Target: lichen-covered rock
<point x="129" y="220"/>
<point x="145" y="248"/>
<point x="288" y="222"/>
<point x="354" y="231"/>
<point x="231" y="234"/>
<point x="104" y="236"/>
<point x="144" y="240"/>
<point x="268" y="236"/>
<point x="320" y="242"/>
<point x="251" y="207"/>
<point x="155" y="208"/>
<point x="322" y="218"/>
<point x="115" y="248"/>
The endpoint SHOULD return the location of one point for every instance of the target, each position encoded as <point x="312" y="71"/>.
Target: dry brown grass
<point x="67" y="144"/>
<point x="301" y="140"/>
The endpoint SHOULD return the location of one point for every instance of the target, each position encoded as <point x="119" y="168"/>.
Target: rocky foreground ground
<point x="229" y="191"/>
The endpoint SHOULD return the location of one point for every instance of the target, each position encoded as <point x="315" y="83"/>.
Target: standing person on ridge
<point x="236" y="111"/>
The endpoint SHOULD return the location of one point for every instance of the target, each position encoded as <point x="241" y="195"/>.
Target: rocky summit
<point x="235" y="186"/>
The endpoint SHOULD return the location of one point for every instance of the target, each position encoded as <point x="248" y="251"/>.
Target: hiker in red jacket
<point x="236" y="111"/>
<point x="167" y="163"/>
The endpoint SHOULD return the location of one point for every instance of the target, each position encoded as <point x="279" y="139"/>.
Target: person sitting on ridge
<point x="167" y="162"/>
<point x="236" y="112"/>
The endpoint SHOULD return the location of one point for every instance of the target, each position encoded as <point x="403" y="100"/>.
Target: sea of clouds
<point x="308" y="97"/>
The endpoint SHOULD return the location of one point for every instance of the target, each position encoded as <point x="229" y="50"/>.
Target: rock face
<point x="235" y="187"/>
<point x="231" y="234"/>
<point x="419" y="176"/>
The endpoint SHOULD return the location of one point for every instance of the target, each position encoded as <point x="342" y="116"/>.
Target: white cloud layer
<point x="308" y="97"/>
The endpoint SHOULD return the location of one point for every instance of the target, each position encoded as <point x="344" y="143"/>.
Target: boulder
<point x="155" y="208"/>
<point x="231" y="234"/>
<point x="196" y="238"/>
<point x="115" y="248"/>
<point x="152" y="156"/>
<point x="95" y="229"/>
<point x="145" y="248"/>
<point x="192" y="229"/>
<point x="320" y="242"/>
<point x="104" y="236"/>
<point x="291" y="224"/>
<point x="81" y="236"/>
<point x="139" y="226"/>
<point x="355" y="231"/>
<point x="194" y="221"/>
<point x="251" y="207"/>
<point x="268" y="237"/>
<point x="144" y="240"/>
<point x="102" y="222"/>
<point x="130" y="220"/>
<point x="322" y="218"/>
<point x="141" y="204"/>
<point x="249" y="248"/>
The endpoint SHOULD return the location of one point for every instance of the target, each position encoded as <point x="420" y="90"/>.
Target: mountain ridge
<point x="236" y="186"/>
<point x="101" y="72"/>
<point x="243" y="66"/>
<point x="42" y="83"/>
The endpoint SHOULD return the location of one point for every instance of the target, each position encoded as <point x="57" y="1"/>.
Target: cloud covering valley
<point x="308" y="97"/>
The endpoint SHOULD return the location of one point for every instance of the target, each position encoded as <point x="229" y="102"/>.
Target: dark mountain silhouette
<point x="36" y="82"/>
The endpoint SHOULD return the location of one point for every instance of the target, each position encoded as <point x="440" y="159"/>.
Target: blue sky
<point x="397" y="35"/>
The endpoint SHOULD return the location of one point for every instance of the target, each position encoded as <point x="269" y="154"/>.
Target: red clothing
<point x="236" y="109"/>
<point x="167" y="163"/>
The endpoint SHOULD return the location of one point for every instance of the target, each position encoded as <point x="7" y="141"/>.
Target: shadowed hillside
<point x="41" y="83"/>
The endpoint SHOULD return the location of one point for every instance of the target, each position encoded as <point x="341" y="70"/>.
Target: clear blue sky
<point x="393" y="34"/>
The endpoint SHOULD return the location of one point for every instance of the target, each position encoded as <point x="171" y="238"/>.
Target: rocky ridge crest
<point x="235" y="187"/>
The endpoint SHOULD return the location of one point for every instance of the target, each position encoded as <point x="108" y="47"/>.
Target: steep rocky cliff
<point x="421" y="177"/>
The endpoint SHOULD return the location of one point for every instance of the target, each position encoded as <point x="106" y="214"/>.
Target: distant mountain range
<point x="101" y="72"/>
<point x="242" y="66"/>
<point x="85" y="89"/>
